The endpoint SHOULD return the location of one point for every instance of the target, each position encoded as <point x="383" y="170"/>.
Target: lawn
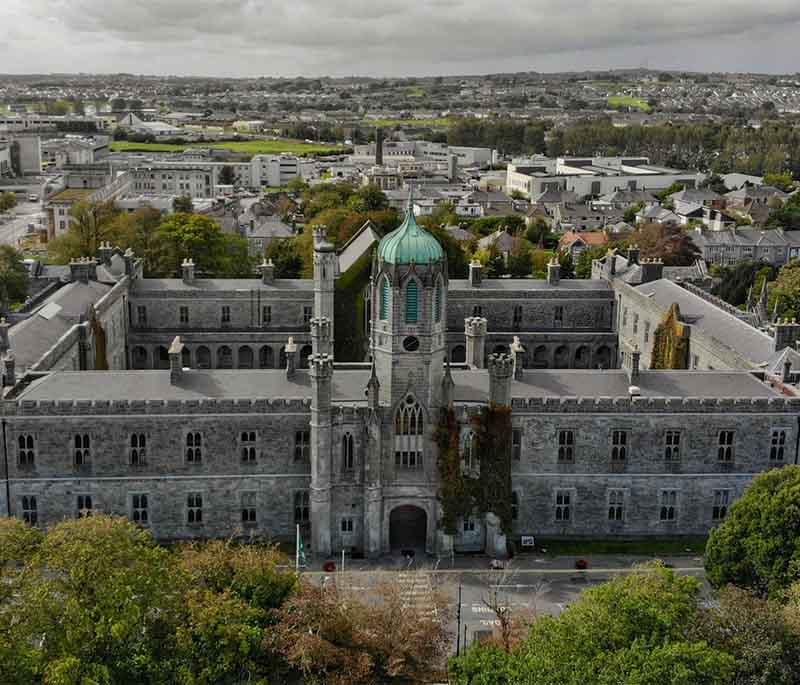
<point x="250" y="147"/>
<point x="647" y="547"/>
<point x="441" y="122"/>
<point x="628" y="101"/>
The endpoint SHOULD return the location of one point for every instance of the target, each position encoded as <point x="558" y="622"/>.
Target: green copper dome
<point x="410" y="243"/>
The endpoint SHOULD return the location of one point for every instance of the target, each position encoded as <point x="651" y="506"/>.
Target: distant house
<point x="260" y="226"/>
<point x="584" y="217"/>
<point x="657" y="215"/>
<point x="749" y="196"/>
<point x="575" y="243"/>
<point x="727" y="247"/>
<point x="500" y="241"/>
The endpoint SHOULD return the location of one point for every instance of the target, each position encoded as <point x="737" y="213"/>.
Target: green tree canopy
<point x="14" y="278"/>
<point x="183" y="203"/>
<point x="90" y="224"/>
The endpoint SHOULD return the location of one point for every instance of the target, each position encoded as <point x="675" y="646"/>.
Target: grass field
<point x="441" y="122"/>
<point x="628" y="101"/>
<point x="250" y="147"/>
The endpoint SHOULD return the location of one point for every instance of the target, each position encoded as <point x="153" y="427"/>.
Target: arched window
<point x="26" y="454"/>
<point x="138" y="453"/>
<point x="469" y="453"/>
<point x="348" y="452"/>
<point x="245" y="357"/>
<point x="408" y="435"/>
<point x="385" y="294"/>
<point x="194" y="447"/>
<point x="266" y="357"/>
<point x="412" y="302"/>
<point x="81" y="450"/>
<point x="203" y="357"/>
<point x="437" y="302"/>
<point x="248" y="447"/>
<point x="302" y="506"/>
<point x="224" y="357"/>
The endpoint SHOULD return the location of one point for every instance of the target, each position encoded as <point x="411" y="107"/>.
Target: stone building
<point x="353" y="452"/>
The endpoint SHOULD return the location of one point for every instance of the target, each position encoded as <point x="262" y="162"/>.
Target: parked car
<point x="33" y="198"/>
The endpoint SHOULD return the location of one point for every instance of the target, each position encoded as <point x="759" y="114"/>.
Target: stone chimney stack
<point x="130" y="260"/>
<point x="553" y="271"/>
<point x="652" y="270"/>
<point x="291" y="358"/>
<point x="517" y="353"/>
<point x="633" y="365"/>
<point x="786" y="332"/>
<point x="475" y="332"/>
<point x="267" y="270"/>
<point x="633" y="254"/>
<point x="9" y="374"/>
<point x="501" y="371"/>
<point x="106" y="252"/>
<point x="4" y="341"/>
<point x="175" y="360"/>
<point x="83" y="270"/>
<point x="475" y="273"/>
<point x="187" y="271"/>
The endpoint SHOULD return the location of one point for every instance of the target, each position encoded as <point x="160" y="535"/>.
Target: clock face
<point x="411" y="344"/>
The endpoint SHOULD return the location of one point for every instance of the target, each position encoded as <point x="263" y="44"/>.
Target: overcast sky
<point x="395" y="37"/>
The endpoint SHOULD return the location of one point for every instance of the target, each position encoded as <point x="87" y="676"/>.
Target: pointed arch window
<point x="412" y="302"/>
<point x="437" y="301"/>
<point x="348" y="452"/>
<point x="384" y="302"/>
<point x="470" y="462"/>
<point x="408" y="435"/>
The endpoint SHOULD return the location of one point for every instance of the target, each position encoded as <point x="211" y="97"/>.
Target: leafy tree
<point x="583" y="267"/>
<point x="788" y="216"/>
<point x="566" y="264"/>
<point x="368" y="198"/>
<point x="520" y="260"/>
<point x="183" y="203"/>
<point x="629" y="215"/>
<point x="668" y="243"/>
<point x="782" y="180"/>
<point x="736" y="282"/>
<point x="287" y="260"/>
<point x="14" y="278"/>
<point x="227" y="176"/>
<point x="7" y="201"/>
<point x="757" y="546"/>
<point x="199" y="238"/>
<point x="90" y="225"/>
<point x="786" y="290"/>
<point x="538" y="233"/>
<point x="297" y="185"/>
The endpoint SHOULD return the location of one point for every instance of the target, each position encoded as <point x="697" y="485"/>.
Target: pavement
<point x="14" y="225"/>
<point x="530" y="585"/>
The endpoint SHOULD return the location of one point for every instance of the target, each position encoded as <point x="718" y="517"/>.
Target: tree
<point x="782" y="181"/>
<point x="368" y="198"/>
<point x="786" y="290"/>
<point x="629" y="631"/>
<point x="287" y="260"/>
<point x="199" y="238"/>
<point x="744" y="277"/>
<point x="7" y="201"/>
<point x="788" y="216"/>
<point x="757" y="546"/>
<point x="665" y="242"/>
<point x="629" y="215"/>
<point x="137" y="231"/>
<point x="183" y="203"/>
<point x="90" y="224"/>
<point x="227" y="176"/>
<point x="14" y="278"/>
<point x="583" y="266"/>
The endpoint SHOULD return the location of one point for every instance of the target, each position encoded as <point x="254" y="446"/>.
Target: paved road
<point x="532" y="585"/>
<point x="14" y="226"/>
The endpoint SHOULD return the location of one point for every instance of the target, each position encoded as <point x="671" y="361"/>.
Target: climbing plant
<point x="671" y="342"/>
<point x="462" y="494"/>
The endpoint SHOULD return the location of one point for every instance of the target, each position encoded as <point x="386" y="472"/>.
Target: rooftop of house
<point x="592" y="238"/>
<point x="71" y="195"/>
<point x="143" y="285"/>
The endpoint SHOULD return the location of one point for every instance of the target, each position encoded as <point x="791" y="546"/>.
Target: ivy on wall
<point x="350" y="335"/>
<point x="671" y="342"/>
<point x="461" y="494"/>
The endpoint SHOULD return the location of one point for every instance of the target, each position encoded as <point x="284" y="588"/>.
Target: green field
<point x="250" y="147"/>
<point x="628" y="101"/>
<point x="441" y="122"/>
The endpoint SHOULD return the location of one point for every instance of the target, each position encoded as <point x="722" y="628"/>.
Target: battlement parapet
<point x="156" y="407"/>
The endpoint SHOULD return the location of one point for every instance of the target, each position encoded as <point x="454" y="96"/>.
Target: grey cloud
<point x="395" y="37"/>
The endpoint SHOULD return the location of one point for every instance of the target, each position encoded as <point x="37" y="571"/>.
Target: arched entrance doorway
<point x="408" y="528"/>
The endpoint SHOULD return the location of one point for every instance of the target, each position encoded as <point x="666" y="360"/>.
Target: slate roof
<point x="221" y="284"/>
<point x="500" y="239"/>
<point x="528" y="284"/>
<point x="739" y="336"/>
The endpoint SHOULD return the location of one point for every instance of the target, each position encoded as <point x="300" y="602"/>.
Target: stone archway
<point x="561" y="357"/>
<point x="408" y="528"/>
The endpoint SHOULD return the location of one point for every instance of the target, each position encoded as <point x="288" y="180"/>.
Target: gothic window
<point x="184" y="314"/>
<point x="776" y="450"/>
<point x="140" y="509"/>
<point x="248" y="508"/>
<point x="141" y="315"/>
<point x="517" y="321"/>
<point x="347" y="525"/>
<point x="266" y="357"/>
<point x="563" y="505"/>
<point x="247" y="447"/>
<point x="194" y="447"/>
<point x="245" y="357"/>
<point x="469" y="453"/>
<point x="84" y="506"/>
<point x="408" y="435"/>
<point x="30" y="512"/>
<point x="266" y="315"/>
<point x="616" y="505"/>
<point x="302" y="445"/>
<point x="437" y="302"/>
<point x="308" y="314"/>
<point x="82" y="451"/>
<point x="348" y="452"/>
<point x="224" y="357"/>
<point x="721" y="501"/>
<point x="635" y="324"/>
<point x="301" y="506"/>
<point x="203" y="357"/>
<point x="619" y="445"/>
<point x="646" y="331"/>
<point x="672" y="446"/>
<point x="194" y="508"/>
<point x="566" y="446"/>
<point x="669" y="505"/>
<point x="138" y="451"/>
<point x="725" y="446"/>
<point x="558" y="316"/>
<point x="384" y="303"/>
<point x="468" y="524"/>
<point x="412" y="302"/>
<point x="226" y="314"/>
<point x="516" y="444"/>
<point x="477" y="310"/>
<point x="26" y="451"/>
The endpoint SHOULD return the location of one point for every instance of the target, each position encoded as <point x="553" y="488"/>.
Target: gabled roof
<point x="592" y="238"/>
<point x="360" y="243"/>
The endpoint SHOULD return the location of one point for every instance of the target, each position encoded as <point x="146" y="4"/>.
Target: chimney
<point x="187" y="271"/>
<point x="786" y="376"/>
<point x="83" y="269"/>
<point x="130" y="259"/>
<point x="475" y="273"/>
<point x="9" y="375"/>
<point x="553" y="271"/>
<point x="4" y="342"/>
<point x="379" y="146"/>
<point x="106" y="252"/>
<point x="652" y="270"/>
<point x="501" y="371"/>
<point x="475" y="332"/>
<point x="786" y="333"/>
<point x="517" y="352"/>
<point x="291" y="358"/>
<point x="175" y="360"/>
<point x="267" y="270"/>
<point x="633" y="368"/>
<point x="633" y="254"/>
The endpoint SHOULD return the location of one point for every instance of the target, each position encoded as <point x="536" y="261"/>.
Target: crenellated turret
<point x="501" y="371"/>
